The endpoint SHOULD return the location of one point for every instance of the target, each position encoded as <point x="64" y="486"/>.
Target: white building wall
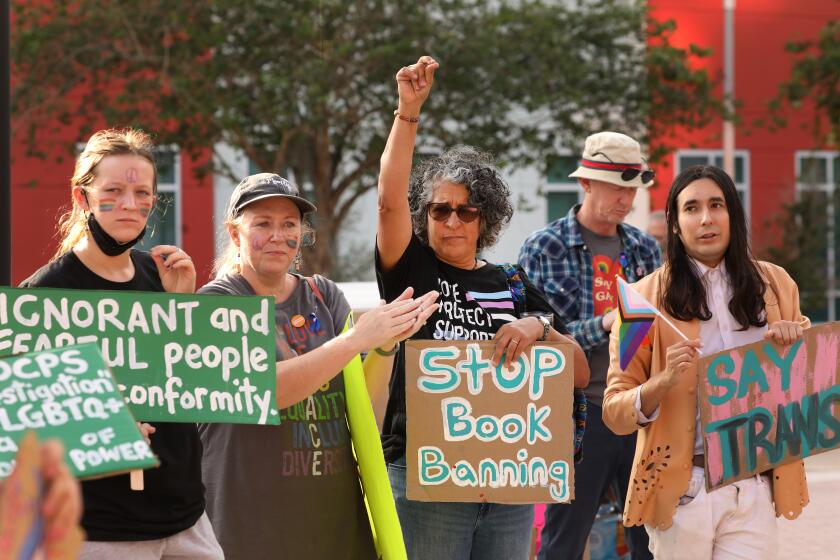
<point x="222" y="189"/>
<point x="355" y="244"/>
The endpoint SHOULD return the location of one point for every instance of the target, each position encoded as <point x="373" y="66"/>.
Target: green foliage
<point x="306" y="87"/>
<point x="803" y="228"/>
<point x="815" y="78"/>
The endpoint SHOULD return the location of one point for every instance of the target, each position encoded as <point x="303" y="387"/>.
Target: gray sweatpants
<point x="198" y="542"/>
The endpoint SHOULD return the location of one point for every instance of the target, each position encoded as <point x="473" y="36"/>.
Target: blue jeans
<point x="460" y="531"/>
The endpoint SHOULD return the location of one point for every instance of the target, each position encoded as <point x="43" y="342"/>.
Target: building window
<point x="818" y="174"/>
<point x="562" y="191"/>
<point x="164" y="226"/>
<point x="687" y="158"/>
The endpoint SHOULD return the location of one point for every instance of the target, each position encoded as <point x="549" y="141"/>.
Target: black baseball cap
<point x="262" y="186"/>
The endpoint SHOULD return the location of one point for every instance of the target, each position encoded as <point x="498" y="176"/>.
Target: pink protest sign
<point x="765" y="405"/>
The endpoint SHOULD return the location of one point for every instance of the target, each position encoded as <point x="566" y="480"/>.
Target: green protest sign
<point x="176" y="357"/>
<point x="69" y="394"/>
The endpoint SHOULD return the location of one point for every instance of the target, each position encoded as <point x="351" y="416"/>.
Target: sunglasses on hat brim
<point x="629" y="171"/>
<point x="629" y="174"/>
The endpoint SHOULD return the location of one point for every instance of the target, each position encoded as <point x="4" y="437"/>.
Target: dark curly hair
<point x="462" y="165"/>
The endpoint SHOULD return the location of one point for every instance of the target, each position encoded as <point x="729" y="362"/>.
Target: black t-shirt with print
<point x="173" y="499"/>
<point x="474" y="304"/>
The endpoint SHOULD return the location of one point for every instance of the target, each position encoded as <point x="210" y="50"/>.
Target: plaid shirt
<point x="558" y="261"/>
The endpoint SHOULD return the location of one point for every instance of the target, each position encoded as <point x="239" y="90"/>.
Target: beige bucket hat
<point x="614" y="158"/>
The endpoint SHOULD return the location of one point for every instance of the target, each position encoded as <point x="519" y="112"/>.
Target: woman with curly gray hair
<point x="432" y="223"/>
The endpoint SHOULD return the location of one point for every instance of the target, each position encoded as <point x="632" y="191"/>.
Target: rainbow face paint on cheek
<point x="145" y="212"/>
<point x="292" y="243"/>
<point x="106" y="207"/>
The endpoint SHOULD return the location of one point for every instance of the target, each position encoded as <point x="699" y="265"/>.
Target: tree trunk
<point x="319" y="259"/>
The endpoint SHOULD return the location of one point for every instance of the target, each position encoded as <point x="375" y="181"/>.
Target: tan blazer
<point x="665" y="447"/>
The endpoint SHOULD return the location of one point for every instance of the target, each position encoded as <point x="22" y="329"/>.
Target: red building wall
<point x="41" y="193"/>
<point x="762" y="28"/>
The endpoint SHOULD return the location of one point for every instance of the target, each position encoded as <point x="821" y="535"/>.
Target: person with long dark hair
<point x="720" y="297"/>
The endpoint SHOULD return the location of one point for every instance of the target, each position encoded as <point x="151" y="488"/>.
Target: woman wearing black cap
<point x="114" y="188"/>
<point x="292" y="490"/>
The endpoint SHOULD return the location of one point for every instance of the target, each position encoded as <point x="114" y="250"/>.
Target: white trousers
<point x="737" y="521"/>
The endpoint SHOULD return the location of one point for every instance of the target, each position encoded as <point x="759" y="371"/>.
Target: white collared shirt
<point x="719" y="333"/>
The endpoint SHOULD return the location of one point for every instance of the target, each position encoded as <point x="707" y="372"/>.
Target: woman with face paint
<point x="292" y="490"/>
<point x="113" y="189"/>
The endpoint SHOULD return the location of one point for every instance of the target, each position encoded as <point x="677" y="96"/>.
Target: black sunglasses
<point x="440" y="212"/>
<point x="630" y="173"/>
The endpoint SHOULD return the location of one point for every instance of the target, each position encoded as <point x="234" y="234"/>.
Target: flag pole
<point x="649" y="306"/>
<point x="670" y="324"/>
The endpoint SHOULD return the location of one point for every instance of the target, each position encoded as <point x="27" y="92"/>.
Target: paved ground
<point x="815" y="535"/>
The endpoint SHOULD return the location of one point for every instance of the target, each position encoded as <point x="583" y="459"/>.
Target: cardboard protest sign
<point x="480" y="433"/>
<point x="176" y="357"/>
<point x="765" y="405"/>
<point x="69" y="394"/>
<point x="21" y="522"/>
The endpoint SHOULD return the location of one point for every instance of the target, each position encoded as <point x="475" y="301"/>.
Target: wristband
<point x="546" y="327"/>
<point x="387" y="353"/>
<point x="405" y="118"/>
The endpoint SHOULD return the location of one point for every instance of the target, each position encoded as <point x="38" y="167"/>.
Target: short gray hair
<point x="462" y="165"/>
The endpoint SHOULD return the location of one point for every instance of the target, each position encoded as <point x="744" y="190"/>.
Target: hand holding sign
<point x="784" y="332"/>
<point x="513" y="338"/>
<point x="146" y="430"/>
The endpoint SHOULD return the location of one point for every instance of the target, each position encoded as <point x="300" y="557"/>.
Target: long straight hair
<point x="685" y="294"/>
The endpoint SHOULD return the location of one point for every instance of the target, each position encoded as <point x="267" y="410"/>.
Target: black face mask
<point x="108" y="244"/>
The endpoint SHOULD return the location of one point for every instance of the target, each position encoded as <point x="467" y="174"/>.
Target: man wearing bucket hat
<point x="575" y="260"/>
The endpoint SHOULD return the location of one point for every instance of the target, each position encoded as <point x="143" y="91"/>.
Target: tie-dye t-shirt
<point x="474" y="304"/>
<point x="289" y="491"/>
